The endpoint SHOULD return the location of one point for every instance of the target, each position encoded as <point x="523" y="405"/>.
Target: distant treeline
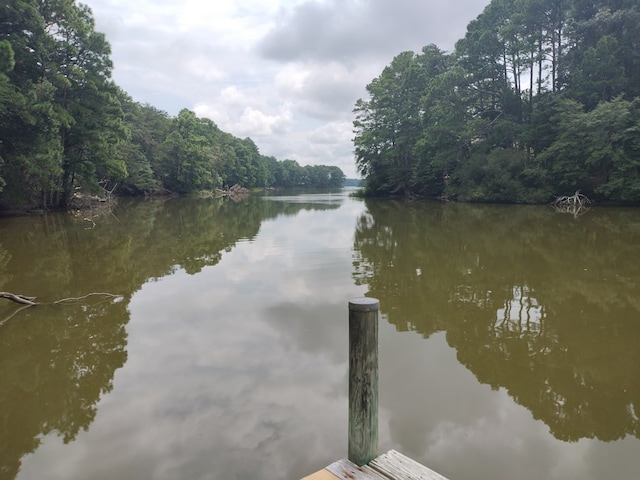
<point x="353" y="182"/>
<point x="540" y="98"/>
<point x="66" y="127"/>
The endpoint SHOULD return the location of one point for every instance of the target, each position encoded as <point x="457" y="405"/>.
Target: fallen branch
<point x="577" y="199"/>
<point x="576" y="204"/>
<point x="19" y="298"/>
<point x="75" y="299"/>
<point x="30" y="301"/>
<point x="236" y="192"/>
<point x="14" y="314"/>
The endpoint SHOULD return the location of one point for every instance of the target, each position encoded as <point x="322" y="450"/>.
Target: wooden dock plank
<point x="393" y="464"/>
<point x="389" y="466"/>
<point x="346" y="470"/>
<point x="323" y="474"/>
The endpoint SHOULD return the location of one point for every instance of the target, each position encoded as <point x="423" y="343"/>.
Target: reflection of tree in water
<point x="542" y="305"/>
<point x="56" y="362"/>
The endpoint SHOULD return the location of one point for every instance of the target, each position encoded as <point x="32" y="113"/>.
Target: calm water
<point x="509" y="339"/>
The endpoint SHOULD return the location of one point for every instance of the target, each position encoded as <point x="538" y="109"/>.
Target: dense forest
<point x="66" y="127"/>
<point x="541" y="98"/>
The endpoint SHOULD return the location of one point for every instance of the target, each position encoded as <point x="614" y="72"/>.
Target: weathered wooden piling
<point x="363" y="462"/>
<point x="363" y="380"/>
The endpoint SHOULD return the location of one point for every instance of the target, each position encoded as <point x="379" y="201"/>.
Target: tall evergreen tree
<point x="538" y="99"/>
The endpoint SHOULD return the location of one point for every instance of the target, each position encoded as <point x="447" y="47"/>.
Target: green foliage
<point x="7" y="57"/>
<point x="390" y="124"/>
<point x="501" y="176"/>
<point x="65" y="127"/>
<point x="60" y="120"/>
<point x="598" y="152"/>
<point x="538" y="100"/>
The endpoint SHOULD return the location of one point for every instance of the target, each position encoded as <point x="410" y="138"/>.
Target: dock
<point x="392" y="465"/>
<point x="363" y="462"/>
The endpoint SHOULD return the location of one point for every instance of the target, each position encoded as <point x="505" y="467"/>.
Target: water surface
<point x="509" y="338"/>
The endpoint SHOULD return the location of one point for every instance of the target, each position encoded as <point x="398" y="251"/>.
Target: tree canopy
<point x="538" y="99"/>
<point x="66" y="127"/>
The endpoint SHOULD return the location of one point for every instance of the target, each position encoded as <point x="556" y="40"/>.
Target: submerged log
<point x="236" y="189"/>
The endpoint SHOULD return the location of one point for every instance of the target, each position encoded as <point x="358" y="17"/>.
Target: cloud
<point x="244" y="376"/>
<point x="283" y="72"/>
<point x="321" y="91"/>
<point x="251" y="121"/>
<point x="352" y="30"/>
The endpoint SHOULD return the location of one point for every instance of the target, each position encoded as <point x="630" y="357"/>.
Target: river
<point x="509" y="338"/>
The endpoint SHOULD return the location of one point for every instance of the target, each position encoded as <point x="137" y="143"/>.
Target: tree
<point x="8" y="97"/>
<point x="389" y="124"/>
<point x="189" y="160"/>
<point x="523" y="109"/>
<point x="598" y="152"/>
<point x="604" y="63"/>
<point x="30" y="147"/>
<point x="147" y="127"/>
<point x="86" y="95"/>
<point x="63" y="120"/>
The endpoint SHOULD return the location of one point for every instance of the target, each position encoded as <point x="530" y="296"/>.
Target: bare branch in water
<point x="76" y="299"/>
<point x="19" y="298"/>
<point x="576" y="204"/>
<point x="30" y="301"/>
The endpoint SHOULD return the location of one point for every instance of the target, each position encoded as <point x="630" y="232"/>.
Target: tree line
<point x="540" y="98"/>
<point x="66" y="127"/>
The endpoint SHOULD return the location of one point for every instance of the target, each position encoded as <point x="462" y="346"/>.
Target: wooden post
<point x="363" y="380"/>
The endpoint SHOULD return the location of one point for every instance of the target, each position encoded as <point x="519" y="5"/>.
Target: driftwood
<point x="576" y="204"/>
<point x="13" y="314"/>
<point x="19" y="298"/>
<point x="31" y="301"/>
<point x="77" y="299"/>
<point x="235" y="192"/>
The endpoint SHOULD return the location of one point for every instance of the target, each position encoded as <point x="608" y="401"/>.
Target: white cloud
<point x="279" y="71"/>
<point x="232" y="96"/>
<point x="251" y="122"/>
<point x="258" y="123"/>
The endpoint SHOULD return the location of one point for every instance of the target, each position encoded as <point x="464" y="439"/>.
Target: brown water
<point x="509" y="339"/>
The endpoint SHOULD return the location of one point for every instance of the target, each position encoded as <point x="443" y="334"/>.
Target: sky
<point x="285" y="73"/>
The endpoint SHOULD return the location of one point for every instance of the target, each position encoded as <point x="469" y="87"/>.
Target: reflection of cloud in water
<point x="522" y="313"/>
<point x="329" y="199"/>
<point x="426" y="409"/>
<point x="239" y="371"/>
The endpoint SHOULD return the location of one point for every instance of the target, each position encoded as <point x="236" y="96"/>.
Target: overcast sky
<point x="284" y="72"/>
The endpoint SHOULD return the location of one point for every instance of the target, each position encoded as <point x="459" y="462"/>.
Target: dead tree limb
<point x="576" y="204"/>
<point x="236" y="192"/>
<point x="19" y="298"/>
<point x="76" y="299"/>
<point x="14" y="314"/>
<point x="30" y="301"/>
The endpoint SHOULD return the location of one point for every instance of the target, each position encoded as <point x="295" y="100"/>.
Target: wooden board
<point x="346" y="470"/>
<point x="395" y="465"/>
<point x="389" y="466"/>
<point x="323" y="474"/>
